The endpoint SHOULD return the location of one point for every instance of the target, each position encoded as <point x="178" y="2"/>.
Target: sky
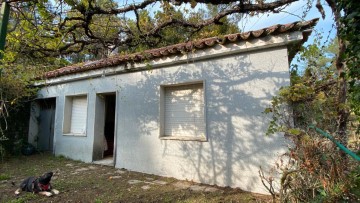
<point x="292" y="13"/>
<point x="297" y="11"/>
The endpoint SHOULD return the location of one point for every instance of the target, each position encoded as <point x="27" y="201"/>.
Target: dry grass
<point x="80" y="182"/>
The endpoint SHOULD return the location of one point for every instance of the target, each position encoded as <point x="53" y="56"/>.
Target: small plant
<point x="98" y="201"/>
<point x="60" y="157"/>
<point x="4" y="176"/>
<point x="25" y="198"/>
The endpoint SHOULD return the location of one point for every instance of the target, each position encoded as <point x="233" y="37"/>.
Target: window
<point x="75" y="115"/>
<point x="182" y="112"/>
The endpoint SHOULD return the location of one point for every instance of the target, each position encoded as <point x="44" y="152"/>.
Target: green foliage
<point x="313" y="170"/>
<point x="350" y="33"/>
<point x="25" y="198"/>
<point x="312" y="96"/>
<point x="16" y="90"/>
<point x="355" y="183"/>
<point x="4" y="176"/>
<point x="17" y="125"/>
<point x="85" y="30"/>
<point x="170" y="34"/>
<point x="226" y="25"/>
<point x="18" y="69"/>
<point x="98" y="200"/>
<point x="104" y="27"/>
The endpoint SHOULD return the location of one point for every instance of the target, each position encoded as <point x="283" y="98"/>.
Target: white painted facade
<point x="239" y="80"/>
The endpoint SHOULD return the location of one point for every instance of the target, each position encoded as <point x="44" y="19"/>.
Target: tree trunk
<point x="342" y="111"/>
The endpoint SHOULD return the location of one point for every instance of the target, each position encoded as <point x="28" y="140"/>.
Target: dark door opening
<point x="46" y="121"/>
<point x="109" y="127"/>
<point x="104" y="147"/>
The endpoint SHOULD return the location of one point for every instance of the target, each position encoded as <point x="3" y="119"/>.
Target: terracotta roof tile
<point x="245" y="35"/>
<point x="258" y="33"/>
<point x="271" y="29"/>
<point x="232" y="37"/>
<point x="183" y="47"/>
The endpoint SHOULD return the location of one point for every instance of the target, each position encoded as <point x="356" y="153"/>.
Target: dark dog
<point x="40" y="185"/>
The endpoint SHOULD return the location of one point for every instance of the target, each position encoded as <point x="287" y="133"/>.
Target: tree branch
<point x="78" y="21"/>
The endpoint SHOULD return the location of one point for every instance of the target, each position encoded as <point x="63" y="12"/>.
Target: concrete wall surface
<point x="237" y="87"/>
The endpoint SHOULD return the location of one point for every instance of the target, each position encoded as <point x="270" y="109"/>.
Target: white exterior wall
<point x="237" y="89"/>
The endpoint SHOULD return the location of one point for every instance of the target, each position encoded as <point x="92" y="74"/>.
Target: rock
<point x="197" y="188"/>
<point x="159" y="182"/>
<point x="210" y="189"/>
<point x="120" y="171"/>
<point x="81" y="169"/>
<point x="131" y="182"/>
<point x="145" y="187"/>
<point x="114" y="177"/>
<point x="182" y="185"/>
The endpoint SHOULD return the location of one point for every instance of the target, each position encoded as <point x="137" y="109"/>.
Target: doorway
<point x="104" y="137"/>
<point x="109" y="128"/>
<point x="46" y="122"/>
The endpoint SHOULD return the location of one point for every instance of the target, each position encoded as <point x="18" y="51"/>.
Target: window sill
<point x="74" y="134"/>
<point x="184" y="138"/>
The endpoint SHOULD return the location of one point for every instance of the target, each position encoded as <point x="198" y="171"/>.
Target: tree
<point x="70" y="25"/>
<point x="349" y="33"/>
<point x="313" y="169"/>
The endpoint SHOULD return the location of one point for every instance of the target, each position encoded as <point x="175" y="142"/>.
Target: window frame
<point x="162" y="134"/>
<point x="67" y="116"/>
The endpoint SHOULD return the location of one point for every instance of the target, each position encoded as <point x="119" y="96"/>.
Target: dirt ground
<point x="80" y="182"/>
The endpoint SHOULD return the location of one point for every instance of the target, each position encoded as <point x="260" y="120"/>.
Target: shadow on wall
<point x="237" y="90"/>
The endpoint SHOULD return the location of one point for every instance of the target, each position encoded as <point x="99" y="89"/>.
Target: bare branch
<point x="78" y="21"/>
<point x="137" y="20"/>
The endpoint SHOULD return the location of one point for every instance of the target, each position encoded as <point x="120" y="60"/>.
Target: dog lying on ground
<point x="40" y="185"/>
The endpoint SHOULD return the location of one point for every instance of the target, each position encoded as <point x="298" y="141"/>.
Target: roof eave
<point x="218" y="50"/>
<point x="294" y="48"/>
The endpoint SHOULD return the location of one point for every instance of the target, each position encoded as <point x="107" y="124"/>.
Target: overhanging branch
<point x="78" y="22"/>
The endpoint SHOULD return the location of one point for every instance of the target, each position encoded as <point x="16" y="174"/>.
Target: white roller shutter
<point x="78" y="115"/>
<point x="184" y="111"/>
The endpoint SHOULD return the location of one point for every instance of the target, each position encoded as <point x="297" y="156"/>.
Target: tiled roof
<point x="183" y="47"/>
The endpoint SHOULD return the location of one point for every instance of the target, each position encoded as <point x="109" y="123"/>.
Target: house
<point x="191" y="111"/>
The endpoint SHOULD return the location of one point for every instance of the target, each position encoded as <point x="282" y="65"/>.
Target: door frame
<point x="100" y="111"/>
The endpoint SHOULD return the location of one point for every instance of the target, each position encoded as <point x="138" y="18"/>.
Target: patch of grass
<point x="98" y="201"/>
<point x="59" y="158"/>
<point x="25" y="198"/>
<point x="81" y="182"/>
<point x="4" y="176"/>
